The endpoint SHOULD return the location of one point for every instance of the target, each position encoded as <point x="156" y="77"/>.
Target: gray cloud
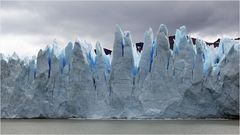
<point x="96" y="20"/>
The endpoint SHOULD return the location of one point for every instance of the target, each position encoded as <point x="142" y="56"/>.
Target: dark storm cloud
<point x="97" y="20"/>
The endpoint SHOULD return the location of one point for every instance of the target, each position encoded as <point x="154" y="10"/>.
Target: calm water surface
<point x="57" y="126"/>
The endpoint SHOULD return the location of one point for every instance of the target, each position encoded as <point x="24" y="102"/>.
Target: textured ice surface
<point x="190" y="81"/>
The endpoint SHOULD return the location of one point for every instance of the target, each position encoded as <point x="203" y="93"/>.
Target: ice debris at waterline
<point x="190" y="81"/>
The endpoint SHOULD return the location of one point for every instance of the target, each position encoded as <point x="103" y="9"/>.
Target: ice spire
<point x="198" y="62"/>
<point x="101" y="79"/>
<point x="146" y="56"/>
<point x="121" y="77"/>
<point x="68" y="55"/>
<point x="118" y="47"/>
<point x="183" y="52"/>
<point x="162" y="52"/>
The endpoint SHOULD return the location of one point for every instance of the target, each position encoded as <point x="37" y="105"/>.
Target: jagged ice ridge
<point x="190" y="81"/>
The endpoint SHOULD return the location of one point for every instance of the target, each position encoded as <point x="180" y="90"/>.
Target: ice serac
<point x="10" y="70"/>
<point x="145" y="61"/>
<point x="100" y="74"/>
<point x="42" y="62"/>
<point x="198" y="62"/>
<point x="101" y="79"/>
<point x="229" y="72"/>
<point x="121" y="77"/>
<point x="81" y="83"/>
<point x="183" y="55"/>
<point x="68" y="56"/>
<point x="207" y="98"/>
<point x="33" y="67"/>
<point x="157" y="92"/>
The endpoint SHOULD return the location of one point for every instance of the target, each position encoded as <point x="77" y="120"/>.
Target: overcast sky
<point x="27" y="27"/>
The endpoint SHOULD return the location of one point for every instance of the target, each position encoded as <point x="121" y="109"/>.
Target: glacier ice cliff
<point x="190" y="81"/>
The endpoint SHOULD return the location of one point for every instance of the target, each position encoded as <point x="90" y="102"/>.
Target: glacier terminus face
<point x="191" y="81"/>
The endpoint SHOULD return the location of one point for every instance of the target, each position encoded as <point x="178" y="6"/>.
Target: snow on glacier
<point x="190" y="81"/>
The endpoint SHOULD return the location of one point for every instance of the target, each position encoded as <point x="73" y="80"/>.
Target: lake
<point x="73" y="126"/>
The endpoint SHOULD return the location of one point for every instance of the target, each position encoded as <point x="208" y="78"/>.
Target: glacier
<point x="190" y="81"/>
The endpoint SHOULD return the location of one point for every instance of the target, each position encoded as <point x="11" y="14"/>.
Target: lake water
<point x="59" y="126"/>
